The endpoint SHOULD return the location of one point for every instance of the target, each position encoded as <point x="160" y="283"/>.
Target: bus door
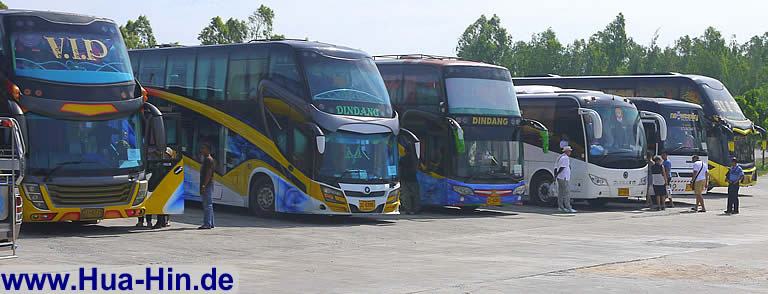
<point x="166" y="184"/>
<point x="11" y="174"/>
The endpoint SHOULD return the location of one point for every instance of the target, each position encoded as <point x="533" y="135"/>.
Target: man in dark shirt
<point x="206" y="186"/>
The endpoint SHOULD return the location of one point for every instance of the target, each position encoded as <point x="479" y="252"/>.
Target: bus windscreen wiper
<point x="62" y="164"/>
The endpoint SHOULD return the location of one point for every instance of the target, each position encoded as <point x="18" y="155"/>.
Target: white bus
<point x="686" y="137"/>
<point x="607" y="136"/>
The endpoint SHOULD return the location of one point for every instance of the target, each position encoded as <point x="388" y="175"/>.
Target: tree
<point x="260" y="23"/>
<point x="3" y="6"/>
<point x="220" y="32"/>
<point x="138" y="33"/>
<point x="485" y="40"/>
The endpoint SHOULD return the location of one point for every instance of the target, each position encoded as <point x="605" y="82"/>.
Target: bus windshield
<point x="480" y="91"/>
<point x="359" y="158"/>
<point x="623" y="142"/>
<point x="685" y="131"/>
<point x="346" y="86"/>
<point x="490" y="159"/>
<point x="101" y="146"/>
<point x="724" y="104"/>
<point x="82" y="54"/>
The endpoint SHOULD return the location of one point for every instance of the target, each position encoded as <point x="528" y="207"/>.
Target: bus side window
<point x="569" y="123"/>
<point x="181" y="74"/>
<point x="246" y="69"/>
<point x="152" y="70"/>
<point x="422" y="86"/>
<point x="393" y="79"/>
<point x="300" y="150"/>
<point x="210" y="76"/>
<point x="284" y="71"/>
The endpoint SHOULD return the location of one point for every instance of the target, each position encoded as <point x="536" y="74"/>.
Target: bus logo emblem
<point x="367" y="190"/>
<point x="626" y="175"/>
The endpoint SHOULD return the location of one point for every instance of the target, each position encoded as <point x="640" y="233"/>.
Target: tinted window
<point x="393" y="79"/>
<point x="246" y="69"/>
<point x="422" y="85"/>
<point x="181" y="74"/>
<point x="211" y="75"/>
<point x="152" y="70"/>
<point x="284" y="71"/>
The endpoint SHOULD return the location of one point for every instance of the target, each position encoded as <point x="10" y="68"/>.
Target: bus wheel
<point x="262" y="197"/>
<point x="541" y="191"/>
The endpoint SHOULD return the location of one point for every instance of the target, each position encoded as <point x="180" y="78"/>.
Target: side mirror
<point x="652" y="116"/>
<point x="319" y="137"/>
<point x="407" y="138"/>
<point x="597" y="122"/>
<point x="155" y="133"/>
<point x="458" y="134"/>
<point x="443" y="107"/>
<point x="543" y="132"/>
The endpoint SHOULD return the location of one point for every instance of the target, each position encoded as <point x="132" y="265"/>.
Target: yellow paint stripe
<point x="743" y="132"/>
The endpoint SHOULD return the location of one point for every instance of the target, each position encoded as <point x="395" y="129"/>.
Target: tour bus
<point x="685" y="137"/>
<point x="466" y="117"/>
<point x="93" y="140"/>
<point x="729" y="132"/>
<point x="294" y="126"/>
<point x="607" y="137"/>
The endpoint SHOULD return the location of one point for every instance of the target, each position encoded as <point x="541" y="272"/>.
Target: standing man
<point x="206" y="186"/>
<point x="563" y="175"/>
<point x="668" y="170"/>
<point x="735" y="175"/>
<point x="699" y="182"/>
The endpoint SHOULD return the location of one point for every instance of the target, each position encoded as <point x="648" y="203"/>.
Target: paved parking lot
<point x="620" y="248"/>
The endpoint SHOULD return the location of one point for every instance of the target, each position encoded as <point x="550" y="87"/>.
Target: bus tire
<point x="541" y="190"/>
<point x="261" y="198"/>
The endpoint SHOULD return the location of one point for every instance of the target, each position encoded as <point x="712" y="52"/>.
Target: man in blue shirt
<point x="668" y="170"/>
<point x="734" y="177"/>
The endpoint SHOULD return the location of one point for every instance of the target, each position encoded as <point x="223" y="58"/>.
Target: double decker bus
<point x="93" y="141"/>
<point x="466" y="117"/>
<point x="729" y="132"/>
<point x="684" y="138"/>
<point x="294" y="126"/>
<point x="607" y="137"/>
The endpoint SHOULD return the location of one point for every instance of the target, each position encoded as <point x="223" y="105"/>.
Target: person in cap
<point x="563" y="176"/>
<point x="735" y="176"/>
<point x="699" y="182"/>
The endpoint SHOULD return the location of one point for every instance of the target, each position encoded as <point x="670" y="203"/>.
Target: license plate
<point x="91" y="213"/>
<point x="367" y="205"/>
<point x="688" y="188"/>
<point x="493" y="201"/>
<point x="624" y="192"/>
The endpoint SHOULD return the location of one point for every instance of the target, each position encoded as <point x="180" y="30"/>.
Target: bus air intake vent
<point x="104" y="195"/>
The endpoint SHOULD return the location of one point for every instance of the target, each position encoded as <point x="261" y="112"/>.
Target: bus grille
<point x="361" y="194"/>
<point x="106" y="195"/>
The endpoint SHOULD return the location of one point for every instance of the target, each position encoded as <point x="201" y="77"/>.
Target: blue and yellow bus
<point x="295" y="126"/>
<point x="94" y="144"/>
<point x="467" y="119"/>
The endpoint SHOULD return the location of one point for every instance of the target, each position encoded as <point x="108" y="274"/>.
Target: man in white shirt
<point x="699" y="182"/>
<point x="563" y="175"/>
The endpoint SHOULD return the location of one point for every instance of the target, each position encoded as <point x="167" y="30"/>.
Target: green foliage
<point x="3" y="6"/>
<point x="258" y="26"/>
<point x="743" y="68"/>
<point x="138" y="33"/>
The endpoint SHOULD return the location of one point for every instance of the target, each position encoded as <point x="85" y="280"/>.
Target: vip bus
<point x="294" y="126"/>
<point x="87" y="127"/>
<point x="685" y="137"/>
<point x="466" y="117"/>
<point x="607" y="136"/>
<point x="729" y="132"/>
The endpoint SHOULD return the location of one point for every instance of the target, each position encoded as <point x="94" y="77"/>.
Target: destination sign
<point x="487" y="121"/>
<point x="358" y="111"/>
<point x="684" y="116"/>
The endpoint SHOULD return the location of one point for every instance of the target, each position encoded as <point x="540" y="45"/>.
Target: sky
<point x="431" y="27"/>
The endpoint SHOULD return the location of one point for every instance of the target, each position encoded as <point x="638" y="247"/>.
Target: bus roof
<point x="699" y="79"/>
<point x="430" y="60"/>
<point x="584" y="97"/>
<point x="53" y="16"/>
<point x="325" y="48"/>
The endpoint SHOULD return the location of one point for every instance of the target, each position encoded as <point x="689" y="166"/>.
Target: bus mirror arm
<point x="458" y="134"/>
<point x="659" y="119"/>
<point x="597" y="122"/>
<point x="411" y="138"/>
<point x="535" y="124"/>
<point x="319" y="137"/>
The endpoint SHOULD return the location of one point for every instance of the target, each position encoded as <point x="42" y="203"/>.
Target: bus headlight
<point x="394" y="195"/>
<point x="333" y="195"/>
<point x="598" y="180"/>
<point x="34" y="195"/>
<point x="142" y="193"/>
<point x="644" y="180"/>
<point x="463" y="190"/>
<point x="520" y="190"/>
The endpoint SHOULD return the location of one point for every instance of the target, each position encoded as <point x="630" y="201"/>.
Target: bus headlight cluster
<point x="333" y="195"/>
<point x="463" y="190"/>
<point x="142" y="193"/>
<point x="394" y="195"/>
<point x="598" y="180"/>
<point x="35" y="196"/>
<point x="520" y="190"/>
<point x="644" y="181"/>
